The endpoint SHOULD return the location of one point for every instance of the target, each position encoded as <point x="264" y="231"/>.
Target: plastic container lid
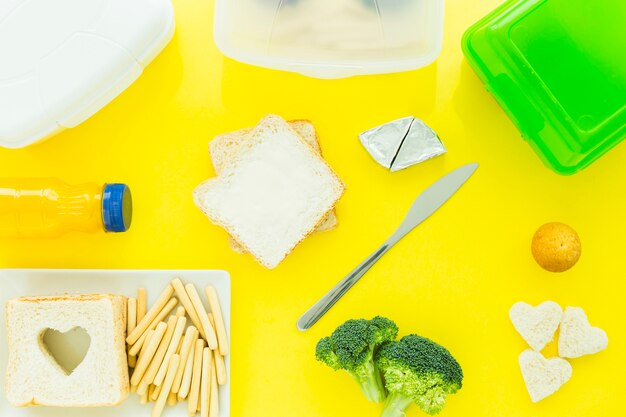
<point x="63" y="60"/>
<point x="331" y="38"/>
<point x="558" y="69"/>
<point x="117" y="207"/>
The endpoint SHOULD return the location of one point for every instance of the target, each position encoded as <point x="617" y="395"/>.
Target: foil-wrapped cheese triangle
<point x="404" y="142"/>
<point x="383" y="142"/>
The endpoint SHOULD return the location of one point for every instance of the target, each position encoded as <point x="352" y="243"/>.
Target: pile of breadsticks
<point x="173" y="359"/>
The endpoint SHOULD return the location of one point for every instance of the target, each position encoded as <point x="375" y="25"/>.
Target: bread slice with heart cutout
<point x="578" y="337"/>
<point x="543" y="377"/>
<point x="36" y="377"/>
<point x="536" y="325"/>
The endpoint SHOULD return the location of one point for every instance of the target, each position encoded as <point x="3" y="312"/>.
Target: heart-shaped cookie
<point x="536" y="325"/>
<point x="543" y="377"/>
<point x="66" y="349"/>
<point x="577" y="337"/>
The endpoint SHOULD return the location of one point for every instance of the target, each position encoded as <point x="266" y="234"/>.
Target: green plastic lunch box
<point x="558" y="69"/>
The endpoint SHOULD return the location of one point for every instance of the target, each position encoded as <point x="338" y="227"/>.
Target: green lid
<point x="558" y="68"/>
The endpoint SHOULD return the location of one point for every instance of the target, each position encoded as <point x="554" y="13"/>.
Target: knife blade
<point x="422" y="208"/>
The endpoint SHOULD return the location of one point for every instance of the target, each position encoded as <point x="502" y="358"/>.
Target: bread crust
<point x="67" y="297"/>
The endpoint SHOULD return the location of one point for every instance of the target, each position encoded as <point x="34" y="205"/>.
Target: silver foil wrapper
<point x="404" y="142"/>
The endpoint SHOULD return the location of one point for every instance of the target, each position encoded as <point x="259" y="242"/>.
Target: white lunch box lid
<point x="63" y="60"/>
<point x="331" y="38"/>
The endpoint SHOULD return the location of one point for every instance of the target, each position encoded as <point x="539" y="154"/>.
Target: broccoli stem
<point x="371" y="383"/>
<point x="395" y="405"/>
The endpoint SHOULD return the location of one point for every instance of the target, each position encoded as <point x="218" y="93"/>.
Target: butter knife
<point x="424" y="205"/>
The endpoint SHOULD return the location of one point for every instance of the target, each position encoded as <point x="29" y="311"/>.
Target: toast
<point x="273" y="193"/>
<point x="223" y="146"/>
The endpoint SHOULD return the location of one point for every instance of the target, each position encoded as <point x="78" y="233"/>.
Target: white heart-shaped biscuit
<point x="577" y="337"/>
<point x="536" y="325"/>
<point x="543" y="377"/>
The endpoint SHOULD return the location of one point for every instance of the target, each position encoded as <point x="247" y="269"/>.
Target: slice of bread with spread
<point x="224" y="146"/>
<point x="273" y="193"/>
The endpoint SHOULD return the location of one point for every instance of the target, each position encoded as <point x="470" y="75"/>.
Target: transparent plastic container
<point x="331" y="38"/>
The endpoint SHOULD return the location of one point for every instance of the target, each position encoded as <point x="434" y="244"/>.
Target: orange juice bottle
<point x="47" y="208"/>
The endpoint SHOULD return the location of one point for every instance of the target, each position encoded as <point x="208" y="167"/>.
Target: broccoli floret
<point x="417" y="370"/>
<point x="325" y="352"/>
<point x="351" y="347"/>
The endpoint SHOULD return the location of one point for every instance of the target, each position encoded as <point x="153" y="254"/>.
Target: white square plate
<point x="34" y="282"/>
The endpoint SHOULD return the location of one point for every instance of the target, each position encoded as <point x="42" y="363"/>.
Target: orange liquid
<point x="47" y="208"/>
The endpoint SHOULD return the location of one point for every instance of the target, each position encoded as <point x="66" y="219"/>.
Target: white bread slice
<point x="543" y="377"/>
<point x="536" y="325"/>
<point x="577" y="337"/>
<point x="224" y="146"/>
<point x="33" y="375"/>
<point x="273" y="194"/>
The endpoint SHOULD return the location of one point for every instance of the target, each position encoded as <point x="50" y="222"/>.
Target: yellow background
<point x="453" y="279"/>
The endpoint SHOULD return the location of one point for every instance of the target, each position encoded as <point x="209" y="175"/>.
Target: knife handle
<point x="320" y="308"/>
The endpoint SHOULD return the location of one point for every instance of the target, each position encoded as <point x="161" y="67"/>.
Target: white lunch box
<point x="63" y="60"/>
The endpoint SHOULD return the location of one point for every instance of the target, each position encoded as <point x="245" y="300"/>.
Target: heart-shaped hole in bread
<point x="66" y="349"/>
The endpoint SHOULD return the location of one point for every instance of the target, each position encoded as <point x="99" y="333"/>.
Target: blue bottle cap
<point x="117" y="207"/>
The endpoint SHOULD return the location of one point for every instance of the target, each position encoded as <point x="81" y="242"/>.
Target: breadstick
<point x="131" y="323"/>
<point x="142" y="353"/>
<point x="181" y="322"/>
<point x="156" y="393"/>
<point x="192" y="401"/>
<point x="181" y="292"/>
<point x="160" y="317"/>
<point x="146" y="357"/>
<point x="143" y="325"/>
<point x="180" y="345"/>
<point x="171" y="398"/>
<point x="143" y="358"/>
<point x="142" y="303"/>
<point x="180" y="312"/>
<point x="149" y="335"/>
<point x="214" y="409"/>
<point x="220" y="365"/>
<point x="151" y="390"/>
<point x="172" y="366"/>
<point x="143" y="386"/>
<point x="211" y="338"/>
<point x="159" y="356"/>
<point x="205" y="384"/>
<point x="185" y="384"/>
<point x="220" y="328"/>
<point x="143" y="399"/>
<point x="191" y="335"/>
<point x="132" y="388"/>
